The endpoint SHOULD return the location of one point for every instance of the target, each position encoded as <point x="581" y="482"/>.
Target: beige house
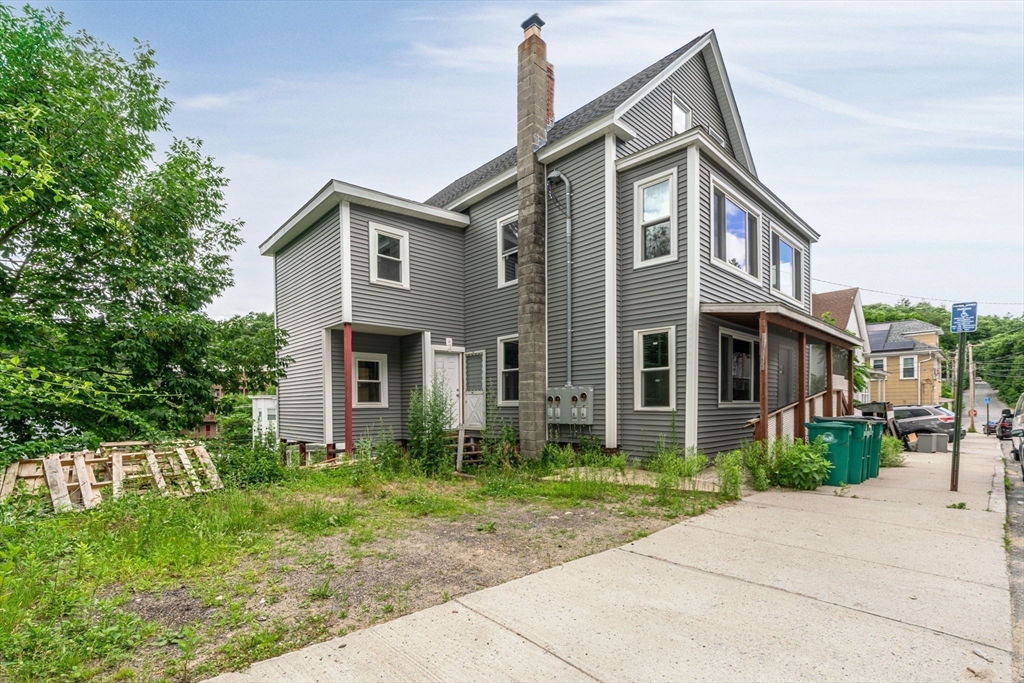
<point x="908" y="352"/>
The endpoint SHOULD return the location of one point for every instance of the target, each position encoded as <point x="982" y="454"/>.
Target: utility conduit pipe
<point x="552" y="177"/>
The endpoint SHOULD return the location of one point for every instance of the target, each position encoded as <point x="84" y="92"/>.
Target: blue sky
<point x="895" y="129"/>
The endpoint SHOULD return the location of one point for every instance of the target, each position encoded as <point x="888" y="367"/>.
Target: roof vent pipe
<point x="567" y="210"/>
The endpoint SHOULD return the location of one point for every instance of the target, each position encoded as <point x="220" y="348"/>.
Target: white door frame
<point x="459" y="351"/>
<point x="465" y="391"/>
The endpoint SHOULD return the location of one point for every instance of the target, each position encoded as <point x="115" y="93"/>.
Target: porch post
<point x="762" y="323"/>
<point x="849" y="374"/>
<point x="830" y="393"/>
<point x="801" y="392"/>
<point x="349" y="389"/>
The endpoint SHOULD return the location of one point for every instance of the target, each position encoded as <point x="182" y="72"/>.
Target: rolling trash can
<point x="836" y="436"/>
<point x="859" y="446"/>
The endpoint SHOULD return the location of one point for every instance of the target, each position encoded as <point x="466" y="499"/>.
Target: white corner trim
<point x="690" y="415"/>
<point x="673" y="216"/>
<point x="346" y="262"/>
<point x="403" y="239"/>
<point x="428" y="360"/>
<point x="381" y="358"/>
<point x="498" y="240"/>
<point x="501" y="368"/>
<point x="660" y="78"/>
<point x="611" y="295"/>
<point x="638" y="369"/>
<point x="328" y="370"/>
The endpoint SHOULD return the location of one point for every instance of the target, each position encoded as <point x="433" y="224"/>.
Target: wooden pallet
<point x="81" y="480"/>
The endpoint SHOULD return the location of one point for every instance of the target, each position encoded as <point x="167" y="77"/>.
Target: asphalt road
<point x="981" y="391"/>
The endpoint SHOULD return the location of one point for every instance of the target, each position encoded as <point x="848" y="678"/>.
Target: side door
<point x="448" y="369"/>
<point x="474" y="373"/>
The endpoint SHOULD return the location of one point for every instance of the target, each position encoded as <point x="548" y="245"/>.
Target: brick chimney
<point x="535" y="82"/>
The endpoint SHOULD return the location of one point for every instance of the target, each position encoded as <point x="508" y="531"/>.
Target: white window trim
<point x="673" y="213"/>
<point x="916" y="369"/>
<point x="678" y="101"/>
<point x="501" y="368"/>
<point x="748" y="206"/>
<point x="381" y="358"/>
<point x="784" y="235"/>
<point x="502" y="282"/>
<point x="638" y="369"/>
<point x="884" y="367"/>
<point x="728" y="331"/>
<point x="403" y="237"/>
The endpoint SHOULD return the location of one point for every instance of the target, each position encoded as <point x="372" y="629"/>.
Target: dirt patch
<point x="171" y="608"/>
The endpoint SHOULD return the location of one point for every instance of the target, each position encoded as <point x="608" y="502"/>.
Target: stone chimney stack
<point x="535" y="81"/>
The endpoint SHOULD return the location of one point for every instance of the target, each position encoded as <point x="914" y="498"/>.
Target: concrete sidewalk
<point x="889" y="586"/>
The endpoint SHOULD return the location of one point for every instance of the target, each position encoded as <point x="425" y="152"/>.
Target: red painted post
<point x="830" y="394"/>
<point x="801" y="392"/>
<point x="349" y="388"/>
<point x="849" y="389"/>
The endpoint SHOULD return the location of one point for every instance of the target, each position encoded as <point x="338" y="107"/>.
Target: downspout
<point x="553" y="176"/>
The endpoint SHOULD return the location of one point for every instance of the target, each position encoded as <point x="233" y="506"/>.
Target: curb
<point x="997" y="499"/>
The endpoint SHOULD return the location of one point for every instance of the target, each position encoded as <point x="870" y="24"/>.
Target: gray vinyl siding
<point x="367" y="421"/>
<point x="719" y="427"/>
<point x="731" y="125"/>
<point x="722" y="284"/>
<point x="650" y="297"/>
<point x="434" y="301"/>
<point x="412" y="376"/>
<point x="651" y="117"/>
<point x="585" y="170"/>
<point x="308" y="296"/>
<point x="490" y="312"/>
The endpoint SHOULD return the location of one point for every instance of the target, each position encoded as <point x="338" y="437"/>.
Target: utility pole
<point x="970" y="368"/>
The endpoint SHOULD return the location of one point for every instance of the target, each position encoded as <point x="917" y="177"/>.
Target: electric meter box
<point x="573" y="405"/>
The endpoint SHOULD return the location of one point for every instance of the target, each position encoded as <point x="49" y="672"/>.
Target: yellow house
<point x="907" y="351"/>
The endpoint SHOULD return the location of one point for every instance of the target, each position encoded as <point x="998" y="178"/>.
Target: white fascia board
<point x="718" y="64"/>
<point x="335" y="192"/>
<point x="546" y="155"/>
<point x="741" y="176"/>
<point x="660" y="78"/>
<point x="785" y="311"/>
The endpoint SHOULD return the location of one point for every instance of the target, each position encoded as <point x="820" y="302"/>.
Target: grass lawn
<point x="150" y="588"/>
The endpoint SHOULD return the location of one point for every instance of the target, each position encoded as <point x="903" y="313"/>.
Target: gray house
<point x="658" y="281"/>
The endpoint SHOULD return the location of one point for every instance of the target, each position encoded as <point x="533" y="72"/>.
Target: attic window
<point x="682" y="116"/>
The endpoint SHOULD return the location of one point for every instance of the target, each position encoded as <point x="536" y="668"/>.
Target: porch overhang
<point x="749" y="314"/>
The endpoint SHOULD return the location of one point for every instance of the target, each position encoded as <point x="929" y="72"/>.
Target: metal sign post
<point x="988" y="400"/>
<point x="963" y="319"/>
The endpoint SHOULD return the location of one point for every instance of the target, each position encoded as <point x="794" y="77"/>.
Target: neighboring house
<point x="208" y="428"/>
<point x="690" y="281"/>
<point x="846" y="309"/>
<point x="908" y="352"/>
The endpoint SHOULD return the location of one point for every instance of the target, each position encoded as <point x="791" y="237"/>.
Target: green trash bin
<point x="836" y="436"/>
<point x="859" y="447"/>
<point x="874" y="426"/>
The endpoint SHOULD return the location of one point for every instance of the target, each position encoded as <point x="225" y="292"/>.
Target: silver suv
<point x="928" y="419"/>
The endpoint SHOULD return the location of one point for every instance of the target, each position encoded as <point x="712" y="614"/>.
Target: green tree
<point x="107" y="253"/>
<point x="246" y="353"/>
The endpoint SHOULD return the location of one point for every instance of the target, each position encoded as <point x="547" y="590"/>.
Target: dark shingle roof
<point x="566" y="125"/>
<point x="885" y="337"/>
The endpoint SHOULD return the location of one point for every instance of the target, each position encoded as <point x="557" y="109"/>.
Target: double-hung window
<point x="508" y="250"/>
<point x="739" y="361"/>
<point x="787" y="267"/>
<point x="654" y="369"/>
<point x="389" y="256"/>
<point x="508" y="371"/>
<point x="370" y="380"/>
<point x="878" y="364"/>
<point x="682" y="116"/>
<point x="736" y="240"/>
<point x="654" y="238"/>
<point x="908" y="367"/>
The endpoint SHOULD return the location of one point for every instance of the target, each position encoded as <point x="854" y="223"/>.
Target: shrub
<point x="730" y="474"/>
<point x="800" y="465"/>
<point x="892" y="452"/>
<point x="430" y="431"/>
<point x="250" y="463"/>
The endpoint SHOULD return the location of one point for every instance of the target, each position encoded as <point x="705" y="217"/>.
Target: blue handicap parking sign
<point x="964" y="317"/>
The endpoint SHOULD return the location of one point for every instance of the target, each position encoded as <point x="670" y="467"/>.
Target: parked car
<point x="990" y="427"/>
<point x="1017" y="431"/>
<point x="925" y="419"/>
<point x="1005" y="426"/>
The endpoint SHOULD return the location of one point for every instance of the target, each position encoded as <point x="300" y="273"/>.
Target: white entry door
<point x="475" y="399"/>
<point x="448" y="369"/>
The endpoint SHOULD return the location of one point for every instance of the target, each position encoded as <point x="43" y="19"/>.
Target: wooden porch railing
<point x="783" y="421"/>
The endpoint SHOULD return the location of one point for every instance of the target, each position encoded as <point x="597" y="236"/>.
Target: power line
<point x="922" y="298"/>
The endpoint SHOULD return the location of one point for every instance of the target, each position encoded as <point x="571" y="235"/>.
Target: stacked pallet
<point x="81" y="480"/>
